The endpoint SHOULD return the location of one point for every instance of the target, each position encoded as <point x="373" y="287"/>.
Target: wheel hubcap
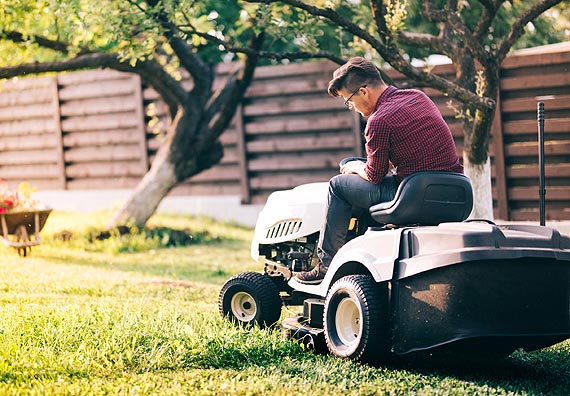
<point x="348" y="322"/>
<point x="243" y="306"/>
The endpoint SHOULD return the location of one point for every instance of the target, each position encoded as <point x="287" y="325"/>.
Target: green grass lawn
<point x="126" y="316"/>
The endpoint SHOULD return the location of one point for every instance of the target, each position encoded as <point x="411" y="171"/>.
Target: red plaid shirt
<point x="407" y="128"/>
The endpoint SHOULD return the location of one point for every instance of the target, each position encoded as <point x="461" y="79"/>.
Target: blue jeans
<point x="349" y="194"/>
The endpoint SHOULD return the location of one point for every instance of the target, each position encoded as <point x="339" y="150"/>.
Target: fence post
<point x="242" y="156"/>
<point x="59" y="133"/>
<point x="500" y="167"/>
<point x="141" y="124"/>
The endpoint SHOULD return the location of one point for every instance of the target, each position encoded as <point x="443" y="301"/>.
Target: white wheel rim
<point x="348" y="321"/>
<point x="243" y="306"/>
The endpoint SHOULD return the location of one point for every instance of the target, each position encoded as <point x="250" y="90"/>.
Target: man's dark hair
<point x="355" y="73"/>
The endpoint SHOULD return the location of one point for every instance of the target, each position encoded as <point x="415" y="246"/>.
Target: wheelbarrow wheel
<point x="23" y="237"/>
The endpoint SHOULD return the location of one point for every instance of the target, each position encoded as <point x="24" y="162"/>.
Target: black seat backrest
<point x="427" y="198"/>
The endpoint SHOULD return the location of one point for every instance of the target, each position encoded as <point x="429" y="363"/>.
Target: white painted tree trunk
<point x="480" y="176"/>
<point x="144" y="200"/>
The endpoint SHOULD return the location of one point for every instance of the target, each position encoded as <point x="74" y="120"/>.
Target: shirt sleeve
<point x="377" y="135"/>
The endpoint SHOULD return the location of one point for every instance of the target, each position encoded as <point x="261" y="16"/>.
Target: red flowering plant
<point x="17" y="201"/>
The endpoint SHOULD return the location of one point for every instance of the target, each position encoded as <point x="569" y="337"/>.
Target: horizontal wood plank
<point x="300" y="144"/>
<point x="41" y="183"/>
<point x="520" y="60"/>
<point x="551" y="125"/>
<point x="102" y="183"/>
<point x="24" y="172"/>
<point x="25" y="143"/>
<point x="217" y="174"/>
<point x="98" y="89"/>
<point x="295" y="69"/>
<point x="534" y="215"/>
<point x="296" y="162"/>
<point x="102" y="154"/>
<point x="531" y="149"/>
<point x="26" y="83"/>
<point x="43" y="95"/>
<point x="40" y="110"/>
<point x="300" y="124"/>
<point x="105" y="105"/>
<point x="90" y="76"/>
<point x="555" y="102"/>
<point x="206" y="189"/>
<point x="531" y="172"/>
<point x="531" y="193"/>
<point x="28" y="127"/>
<point x="542" y="81"/>
<point x="297" y="105"/>
<point x="102" y="138"/>
<point x="108" y="169"/>
<point x="20" y="157"/>
<point x="282" y="182"/>
<point x="293" y="87"/>
<point x="100" y="122"/>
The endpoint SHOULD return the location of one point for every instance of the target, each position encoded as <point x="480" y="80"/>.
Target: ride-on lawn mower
<point x="420" y="280"/>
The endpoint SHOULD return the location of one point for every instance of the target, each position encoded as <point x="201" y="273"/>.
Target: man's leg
<point x="345" y="192"/>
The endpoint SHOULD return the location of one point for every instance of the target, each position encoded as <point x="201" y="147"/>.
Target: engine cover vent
<point x="284" y="228"/>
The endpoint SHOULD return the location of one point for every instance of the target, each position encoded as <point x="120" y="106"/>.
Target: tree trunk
<point x="175" y="161"/>
<point x="148" y="194"/>
<point x="480" y="175"/>
<point x="183" y="154"/>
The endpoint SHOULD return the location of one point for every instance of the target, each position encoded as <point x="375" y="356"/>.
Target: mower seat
<point x="427" y="198"/>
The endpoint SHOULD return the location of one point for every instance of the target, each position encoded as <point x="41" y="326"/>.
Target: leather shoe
<point x="312" y="277"/>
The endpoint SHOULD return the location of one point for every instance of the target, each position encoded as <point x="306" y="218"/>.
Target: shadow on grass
<point x="542" y="372"/>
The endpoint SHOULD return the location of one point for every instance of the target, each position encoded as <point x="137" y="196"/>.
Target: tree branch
<point x="235" y="89"/>
<point x="150" y="71"/>
<point x="454" y="20"/>
<point x="269" y="54"/>
<point x="517" y="29"/>
<point x="489" y="12"/>
<point x="435" y="43"/>
<point x="42" y="41"/>
<point x="188" y="59"/>
<point x="391" y="53"/>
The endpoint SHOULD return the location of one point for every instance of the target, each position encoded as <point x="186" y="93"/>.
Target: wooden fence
<point x="101" y="129"/>
<point x="288" y="131"/>
<point x="73" y="131"/>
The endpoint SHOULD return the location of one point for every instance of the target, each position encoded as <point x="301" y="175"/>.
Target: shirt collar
<point x="385" y="95"/>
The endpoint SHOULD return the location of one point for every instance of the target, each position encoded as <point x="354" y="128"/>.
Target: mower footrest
<point x="313" y="310"/>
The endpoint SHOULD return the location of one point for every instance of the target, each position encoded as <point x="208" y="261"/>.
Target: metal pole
<point x="541" y="186"/>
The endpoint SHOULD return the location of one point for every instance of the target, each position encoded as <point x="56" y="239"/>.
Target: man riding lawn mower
<point x="410" y="275"/>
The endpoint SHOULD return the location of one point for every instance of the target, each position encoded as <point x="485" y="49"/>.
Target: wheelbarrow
<point x="21" y="230"/>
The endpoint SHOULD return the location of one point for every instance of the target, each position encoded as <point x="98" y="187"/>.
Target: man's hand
<point x="356" y="167"/>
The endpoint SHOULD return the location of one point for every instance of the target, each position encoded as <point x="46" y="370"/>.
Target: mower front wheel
<point x="250" y="298"/>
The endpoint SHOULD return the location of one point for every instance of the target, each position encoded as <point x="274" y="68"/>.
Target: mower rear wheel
<point x="250" y="298"/>
<point x="356" y="319"/>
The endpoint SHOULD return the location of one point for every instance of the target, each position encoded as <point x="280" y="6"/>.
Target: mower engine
<point x="285" y="259"/>
<point x="287" y="230"/>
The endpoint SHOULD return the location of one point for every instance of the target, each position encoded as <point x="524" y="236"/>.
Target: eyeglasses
<point x="347" y="102"/>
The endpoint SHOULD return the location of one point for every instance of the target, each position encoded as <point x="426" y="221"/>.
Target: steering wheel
<point x="345" y="160"/>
